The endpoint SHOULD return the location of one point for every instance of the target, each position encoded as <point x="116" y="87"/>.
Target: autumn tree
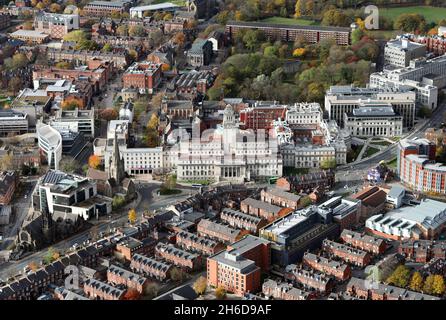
<point x="400" y="277"/>
<point x="71" y="104"/>
<point x="151" y="290"/>
<point x="220" y="293"/>
<point x="153" y="122"/>
<point x="132" y="216"/>
<point x="94" y="161"/>
<point x="108" y="114"/>
<point x="137" y="31"/>
<point x="33" y="266"/>
<point x="176" y="274"/>
<point x="157" y="99"/>
<point x="64" y="65"/>
<point x="107" y="48"/>
<point x="132" y="294"/>
<point x="438" y="286"/>
<point x="14" y="85"/>
<point x="55" y="8"/>
<point x="122" y="30"/>
<point x="416" y="282"/>
<point x="200" y="285"/>
<point x="6" y="162"/>
<point x="299" y="52"/>
<point x="179" y="38"/>
<point x="76" y="36"/>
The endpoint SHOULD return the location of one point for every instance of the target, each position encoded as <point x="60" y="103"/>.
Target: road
<point x="148" y="203"/>
<point x="353" y="174"/>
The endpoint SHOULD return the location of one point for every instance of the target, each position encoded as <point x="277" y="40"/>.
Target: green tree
<point x="410" y="22"/>
<point x="137" y="31"/>
<point x="416" y="282"/>
<point x="107" y="47"/>
<point x="400" y="277"/>
<point x="335" y="17"/>
<point x="122" y="30"/>
<point x="357" y="35"/>
<point x="76" y="36"/>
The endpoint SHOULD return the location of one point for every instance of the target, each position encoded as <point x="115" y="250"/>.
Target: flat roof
<point x="285" y="26"/>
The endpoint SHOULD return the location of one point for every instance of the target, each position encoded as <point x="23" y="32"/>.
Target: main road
<point x="148" y="202"/>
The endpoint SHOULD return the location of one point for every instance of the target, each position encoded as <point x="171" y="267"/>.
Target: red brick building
<point x="98" y="290"/>
<point x="422" y="250"/>
<point x="194" y="243"/>
<point x="285" y="291"/>
<point x="242" y="221"/>
<point x="280" y="198"/>
<point x="334" y="268"/>
<point x="183" y="259"/>
<point x="218" y="231"/>
<point x="150" y="267"/>
<point x="117" y="275"/>
<point x="145" y="76"/>
<point x="261" y="116"/>
<point x="8" y="184"/>
<point x="363" y="242"/>
<point x="127" y="248"/>
<point x="348" y="254"/>
<point x="238" y="269"/>
<point x="309" y="279"/>
<point x="260" y="209"/>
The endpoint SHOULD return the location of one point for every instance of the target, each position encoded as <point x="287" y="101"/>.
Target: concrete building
<point x="57" y="191"/>
<point x="340" y="100"/>
<point x="374" y="121"/>
<point x="30" y="36"/>
<point x="238" y="269"/>
<point x="399" y="52"/>
<point x="138" y="12"/>
<point x="291" y="33"/>
<point x="290" y="233"/>
<point x="424" y="221"/>
<point x="106" y="8"/>
<point x="56" y="25"/>
<point x="13" y="123"/>
<point x="77" y="120"/>
<point x="50" y="144"/>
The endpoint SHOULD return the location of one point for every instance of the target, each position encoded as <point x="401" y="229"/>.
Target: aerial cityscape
<point x="230" y="150"/>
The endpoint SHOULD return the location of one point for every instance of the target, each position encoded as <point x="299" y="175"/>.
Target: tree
<point x="168" y="16"/>
<point x="40" y="6"/>
<point x="299" y="52"/>
<point x="171" y="181"/>
<point x="19" y="60"/>
<point x="75" y="36"/>
<point x="152" y="138"/>
<point x="71" y="104"/>
<point x="176" y="274"/>
<point x="132" y="294"/>
<point x="64" y="65"/>
<point x="179" y="38"/>
<point x="86" y="45"/>
<point x="55" y="8"/>
<point x="14" y="85"/>
<point x="220" y="293"/>
<point x="438" y="286"/>
<point x="416" y="282"/>
<point x="335" y="17"/>
<point x="410" y="22"/>
<point x="153" y="122"/>
<point x="298" y="9"/>
<point x="107" y="48"/>
<point x="200" y="285"/>
<point x="328" y="163"/>
<point x="252" y="39"/>
<point x="33" y="266"/>
<point x="137" y="31"/>
<point x="28" y="25"/>
<point x="151" y="290"/>
<point x="68" y="164"/>
<point x="157" y="100"/>
<point x="132" y="216"/>
<point x="51" y="255"/>
<point x="305" y="202"/>
<point x="400" y="277"/>
<point x="108" y="114"/>
<point x="357" y="35"/>
<point x="271" y="51"/>
<point x="94" y="161"/>
<point x="118" y="202"/>
<point x="429" y="284"/>
<point x="122" y="30"/>
<point x="6" y="162"/>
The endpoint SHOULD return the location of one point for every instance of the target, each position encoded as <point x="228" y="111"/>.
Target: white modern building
<point x="56" y="25"/>
<point x="138" y="12"/>
<point x="83" y="120"/>
<point x="344" y="99"/>
<point x="399" y="52"/>
<point x="60" y="192"/>
<point x="13" y="122"/>
<point x="50" y="144"/>
<point x="374" y="121"/>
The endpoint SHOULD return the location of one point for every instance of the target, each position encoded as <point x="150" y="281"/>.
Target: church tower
<point x="116" y="163"/>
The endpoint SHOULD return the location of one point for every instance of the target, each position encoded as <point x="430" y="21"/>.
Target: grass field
<point x="370" y="151"/>
<point x="290" y="21"/>
<point x="177" y="2"/>
<point x="432" y="14"/>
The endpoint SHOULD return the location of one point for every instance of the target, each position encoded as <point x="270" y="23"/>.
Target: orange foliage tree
<point x="108" y="114"/>
<point x="131" y="294"/>
<point x="94" y="161"/>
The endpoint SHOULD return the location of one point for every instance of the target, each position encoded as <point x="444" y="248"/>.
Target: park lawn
<point x="290" y="21"/>
<point x="431" y="14"/>
<point x="370" y="151"/>
<point x="181" y="3"/>
<point x="382" y="34"/>
<point x="392" y="164"/>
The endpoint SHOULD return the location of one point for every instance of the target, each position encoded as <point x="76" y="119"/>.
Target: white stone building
<point x="399" y="52"/>
<point x="374" y="121"/>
